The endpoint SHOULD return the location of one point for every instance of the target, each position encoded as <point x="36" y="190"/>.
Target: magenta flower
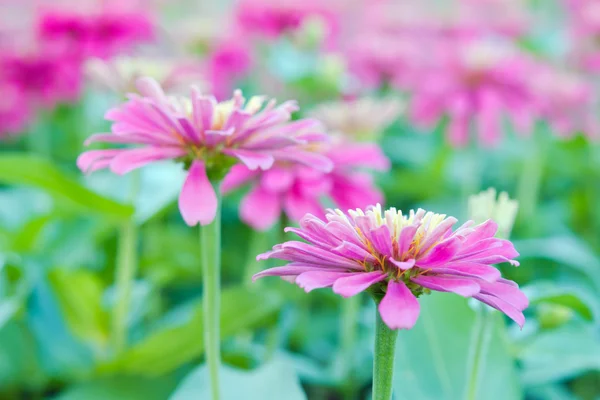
<point x="299" y="189"/>
<point x="101" y="34"/>
<point x="272" y="18"/>
<point x="478" y="83"/>
<point x="44" y="77"/>
<point x="229" y="61"/>
<point x="399" y="257"/>
<point x="208" y="137"/>
<point x="14" y="110"/>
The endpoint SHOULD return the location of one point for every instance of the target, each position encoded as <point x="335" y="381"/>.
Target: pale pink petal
<point x="399" y="308"/>
<point x="356" y="283"/>
<point x="198" y="200"/>
<point x="319" y="279"/>
<point x="403" y="265"/>
<point x="237" y="176"/>
<point x="461" y="286"/>
<point x="260" y="209"/>
<point x="92" y="160"/>
<point x="131" y="159"/>
<point x="501" y="305"/>
<point x="253" y="160"/>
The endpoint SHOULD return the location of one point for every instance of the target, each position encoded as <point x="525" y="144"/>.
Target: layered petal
<point x="198" y="200"/>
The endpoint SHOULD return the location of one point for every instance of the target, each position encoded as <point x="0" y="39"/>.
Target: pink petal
<point x="461" y="286"/>
<point x="198" y="200"/>
<point x="292" y="269"/>
<point x="237" y="176"/>
<point x="441" y="253"/>
<point x="260" y="209"/>
<point x="507" y="292"/>
<point x="313" y="160"/>
<point x="481" y="271"/>
<point x="399" y="308"/>
<point x="251" y="159"/>
<point x="403" y="265"/>
<point x="277" y="179"/>
<point x="501" y="305"/>
<point x="356" y="283"/>
<point x="129" y="160"/>
<point x="406" y="237"/>
<point x="319" y="279"/>
<point x="298" y="205"/>
<point x="92" y="160"/>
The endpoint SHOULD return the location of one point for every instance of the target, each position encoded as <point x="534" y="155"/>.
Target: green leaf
<point x="24" y="169"/>
<point x="432" y="358"/>
<point x="120" y="388"/>
<point x="567" y="250"/>
<point x="560" y="354"/>
<point x="79" y="294"/>
<point x="273" y="381"/>
<point x="577" y="299"/>
<point x="167" y="349"/>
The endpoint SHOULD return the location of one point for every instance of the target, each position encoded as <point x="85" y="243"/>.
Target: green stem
<point x="210" y="247"/>
<point x="530" y="182"/>
<point x="350" y="309"/>
<point x="125" y="273"/>
<point x="480" y="345"/>
<point x="383" y="364"/>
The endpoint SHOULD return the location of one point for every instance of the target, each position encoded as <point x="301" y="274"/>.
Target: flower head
<point x="206" y="136"/>
<point x="478" y="82"/>
<point x="299" y="189"/>
<point x="398" y="258"/>
<point x="101" y="34"/>
<point x="502" y="209"/>
<point x="359" y="118"/>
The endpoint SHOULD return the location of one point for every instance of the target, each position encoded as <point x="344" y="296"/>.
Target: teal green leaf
<point x="120" y="388"/>
<point x="432" y="358"/>
<point x="79" y="294"/>
<point x="169" y="348"/>
<point x="273" y="381"/>
<point x="576" y="299"/>
<point x="24" y="169"/>
<point x="560" y="354"/>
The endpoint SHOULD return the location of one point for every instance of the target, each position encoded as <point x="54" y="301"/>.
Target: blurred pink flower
<point x="272" y="18"/>
<point x="206" y="136"/>
<point x="398" y="258"/>
<point x="299" y="189"/>
<point x="99" y="34"/>
<point x="584" y="28"/>
<point x="475" y="82"/>
<point x="567" y="102"/>
<point x="229" y="61"/>
<point x="14" y="110"/>
<point x="121" y="73"/>
<point x="44" y="78"/>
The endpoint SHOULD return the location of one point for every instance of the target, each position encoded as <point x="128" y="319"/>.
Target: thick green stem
<point x="125" y="273"/>
<point x="383" y="364"/>
<point x="480" y="345"/>
<point x="350" y="309"/>
<point x="210" y="246"/>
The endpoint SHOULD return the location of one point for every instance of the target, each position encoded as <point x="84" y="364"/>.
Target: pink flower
<point x="566" y="102"/>
<point x="398" y="258"/>
<point x="102" y="34"/>
<point x="208" y="137"/>
<point x="229" y="61"/>
<point x="44" y="77"/>
<point x="272" y="18"/>
<point x="299" y="189"/>
<point x="584" y="29"/>
<point x="14" y="110"/>
<point x="476" y="83"/>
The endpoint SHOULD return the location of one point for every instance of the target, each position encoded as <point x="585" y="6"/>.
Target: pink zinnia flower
<point x="98" y="34"/>
<point x="44" y="77"/>
<point x="300" y="189"/>
<point x="272" y="18"/>
<point x="398" y="258"/>
<point x="208" y="137"/>
<point x="567" y="102"/>
<point x="229" y="61"/>
<point x="476" y="83"/>
<point x="14" y="110"/>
